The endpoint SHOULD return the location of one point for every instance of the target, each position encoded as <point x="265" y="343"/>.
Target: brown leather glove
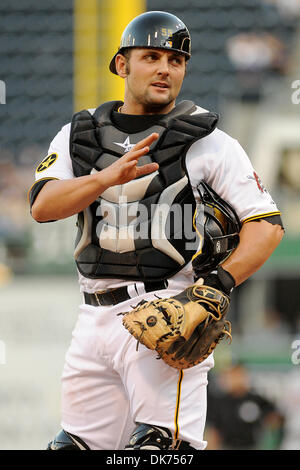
<point x="184" y="329"/>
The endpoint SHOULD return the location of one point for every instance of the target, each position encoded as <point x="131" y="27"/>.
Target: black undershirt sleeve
<point x="272" y="219"/>
<point x="36" y="188"/>
<point x="34" y="191"/>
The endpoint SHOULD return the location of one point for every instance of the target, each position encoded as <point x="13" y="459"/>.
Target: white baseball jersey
<point x="108" y="386"/>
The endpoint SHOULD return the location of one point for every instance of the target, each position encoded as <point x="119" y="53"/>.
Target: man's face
<point x="153" y="79"/>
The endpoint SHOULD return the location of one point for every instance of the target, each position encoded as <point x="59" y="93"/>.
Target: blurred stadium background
<point x="53" y="61"/>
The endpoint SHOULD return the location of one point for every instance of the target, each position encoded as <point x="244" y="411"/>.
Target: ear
<point x="120" y="62"/>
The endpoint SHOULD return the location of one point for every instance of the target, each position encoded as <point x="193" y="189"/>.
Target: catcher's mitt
<point x="183" y="329"/>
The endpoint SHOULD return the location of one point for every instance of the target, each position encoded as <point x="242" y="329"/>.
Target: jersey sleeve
<point x="56" y="165"/>
<point x="224" y="165"/>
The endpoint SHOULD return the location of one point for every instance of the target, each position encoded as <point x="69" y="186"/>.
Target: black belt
<point x="120" y="294"/>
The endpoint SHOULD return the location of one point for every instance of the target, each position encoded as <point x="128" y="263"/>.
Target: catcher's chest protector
<point x="141" y="230"/>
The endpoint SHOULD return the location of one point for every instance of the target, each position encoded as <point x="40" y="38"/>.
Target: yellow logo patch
<point x="48" y="161"/>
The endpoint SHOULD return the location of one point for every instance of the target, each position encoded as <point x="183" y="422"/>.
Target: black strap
<point x="116" y="296"/>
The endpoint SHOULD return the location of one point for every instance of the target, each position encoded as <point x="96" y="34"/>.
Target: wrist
<point x="221" y="280"/>
<point x="102" y="181"/>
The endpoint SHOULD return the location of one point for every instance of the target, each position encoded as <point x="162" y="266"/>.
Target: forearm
<point x="258" y="240"/>
<point x="59" y="199"/>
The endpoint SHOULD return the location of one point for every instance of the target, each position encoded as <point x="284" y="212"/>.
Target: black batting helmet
<point x="218" y="227"/>
<point x="155" y="29"/>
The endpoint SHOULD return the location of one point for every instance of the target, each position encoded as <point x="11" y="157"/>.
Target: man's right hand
<point x="125" y="169"/>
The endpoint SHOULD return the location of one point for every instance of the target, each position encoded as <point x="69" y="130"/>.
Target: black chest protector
<point x="141" y="230"/>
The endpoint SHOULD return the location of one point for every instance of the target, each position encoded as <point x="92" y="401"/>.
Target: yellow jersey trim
<point x="176" y="432"/>
<point x="260" y="216"/>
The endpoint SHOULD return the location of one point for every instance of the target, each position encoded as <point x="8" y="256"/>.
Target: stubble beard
<point x="150" y="106"/>
<point x="156" y="107"/>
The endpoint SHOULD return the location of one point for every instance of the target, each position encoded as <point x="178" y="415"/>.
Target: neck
<point x="130" y="107"/>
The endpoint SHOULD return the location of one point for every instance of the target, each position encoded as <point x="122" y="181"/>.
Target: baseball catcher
<point x="130" y="170"/>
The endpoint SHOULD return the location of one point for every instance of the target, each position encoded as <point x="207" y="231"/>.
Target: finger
<point x="142" y="147"/>
<point x="146" y="169"/>
<point x="134" y="154"/>
<point x="147" y="141"/>
<point x="130" y="164"/>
